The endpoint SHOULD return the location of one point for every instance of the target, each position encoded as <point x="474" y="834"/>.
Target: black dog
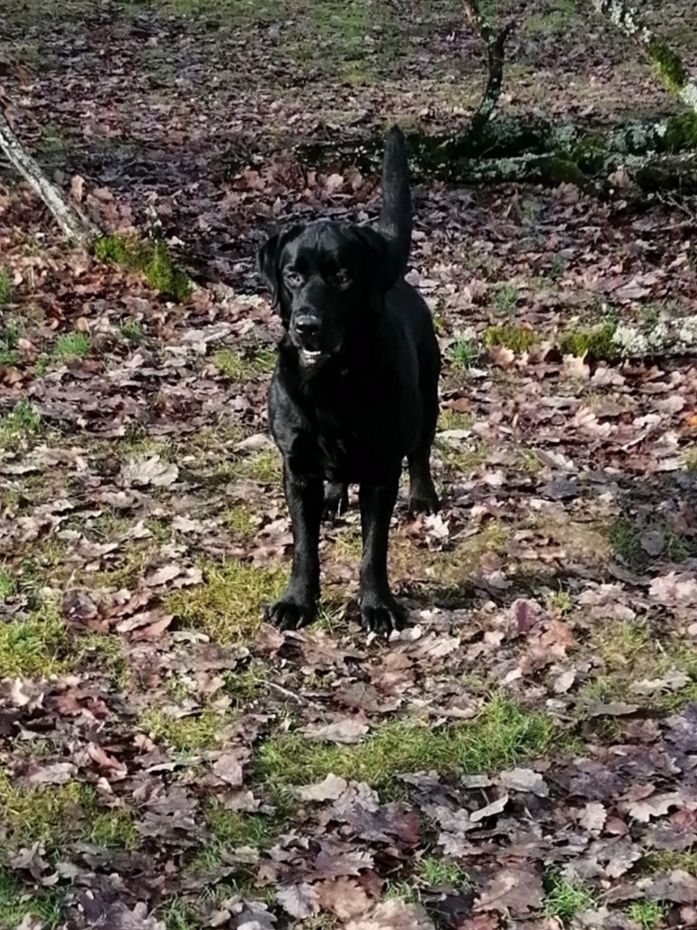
<point x="355" y="388"/>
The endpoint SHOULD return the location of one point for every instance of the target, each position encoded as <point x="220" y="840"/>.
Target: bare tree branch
<point x="665" y="60"/>
<point x="74" y="225"/>
<point x="495" y="41"/>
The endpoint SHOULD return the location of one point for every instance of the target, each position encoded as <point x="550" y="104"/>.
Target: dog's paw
<point x="423" y="500"/>
<point x="382" y="615"/>
<point x="290" y="613"/>
<point x="335" y="501"/>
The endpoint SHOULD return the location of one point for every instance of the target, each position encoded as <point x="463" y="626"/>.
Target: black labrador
<point x="355" y="388"/>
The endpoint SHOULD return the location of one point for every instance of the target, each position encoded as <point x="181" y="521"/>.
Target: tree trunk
<point x="74" y="225"/>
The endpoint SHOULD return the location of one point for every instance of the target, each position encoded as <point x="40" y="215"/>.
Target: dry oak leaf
<point x="344" y="897"/>
<point x="393" y="915"/>
<point x="299" y="901"/>
<point x="514" y="890"/>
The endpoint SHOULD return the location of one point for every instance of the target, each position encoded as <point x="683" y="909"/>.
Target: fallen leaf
<point x="525" y="780"/>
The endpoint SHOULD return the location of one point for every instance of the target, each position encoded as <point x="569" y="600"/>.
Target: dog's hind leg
<point x="335" y="500"/>
<point x="423" y="497"/>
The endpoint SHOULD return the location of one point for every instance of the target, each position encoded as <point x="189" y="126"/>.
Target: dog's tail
<point x="395" y="217"/>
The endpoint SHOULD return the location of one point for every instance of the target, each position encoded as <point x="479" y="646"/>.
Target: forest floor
<point x="524" y="755"/>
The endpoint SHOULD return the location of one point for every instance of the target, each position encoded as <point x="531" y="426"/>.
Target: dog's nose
<point x="307" y="326"/>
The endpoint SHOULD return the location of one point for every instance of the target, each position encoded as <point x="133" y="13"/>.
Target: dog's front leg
<point x="379" y="610"/>
<point x="297" y="606"/>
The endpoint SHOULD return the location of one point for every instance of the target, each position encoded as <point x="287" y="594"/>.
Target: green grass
<point x="229" y="829"/>
<point x="113" y="829"/>
<point x="7" y="584"/>
<point x="184" y="734"/>
<point x="18" y="901"/>
<point x="649" y="915"/>
<point x="453" y="419"/>
<point x="501" y="735"/>
<point x="9" y="337"/>
<point x="132" y="331"/>
<point x="228" y="606"/>
<point x="23" y="421"/>
<point x="505" y="298"/>
<point x="566" y="899"/>
<point x="689" y="457"/>
<point x="240" y="520"/>
<point x="42" y="812"/>
<point x="241" y="367"/>
<point x="5" y="286"/>
<point x="666" y="860"/>
<point x="36" y="647"/>
<point x="442" y="873"/>
<point x="151" y="259"/>
<point x="70" y="346"/>
<point x="264" y="467"/>
<point x="463" y="353"/>
<point x="247" y="685"/>
<point x="516" y="338"/>
<point x="625" y="537"/>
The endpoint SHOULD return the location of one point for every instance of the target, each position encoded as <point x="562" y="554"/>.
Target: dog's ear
<point x="267" y="266"/>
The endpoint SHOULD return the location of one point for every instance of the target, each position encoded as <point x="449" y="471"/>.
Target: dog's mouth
<point x="310" y="357"/>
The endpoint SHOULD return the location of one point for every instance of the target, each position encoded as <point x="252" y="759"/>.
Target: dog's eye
<point x="342" y="277"/>
<point x="292" y="278"/>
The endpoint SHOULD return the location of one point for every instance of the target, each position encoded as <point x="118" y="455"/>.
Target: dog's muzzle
<point x="305" y="331"/>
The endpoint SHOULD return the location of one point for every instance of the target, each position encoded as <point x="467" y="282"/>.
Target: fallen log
<point x="75" y="226"/>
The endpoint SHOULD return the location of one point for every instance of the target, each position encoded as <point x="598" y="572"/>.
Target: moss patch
<point x="151" y="259"/>
<point x="516" y="338"/>
<point x="594" y="342"/>
<point x="184" y="734"/>
<point x="49" y="813"/>
<point x="502" y="735"/>
<point x="668" y="65"/>
<point x="228" y="606"/>
<point x="36" y="647"/>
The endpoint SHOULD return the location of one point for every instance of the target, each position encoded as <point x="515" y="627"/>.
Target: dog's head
<point x="327" y="280"/>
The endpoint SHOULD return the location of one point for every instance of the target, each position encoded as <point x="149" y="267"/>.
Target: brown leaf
<point x="299" y="901"/>
<point x="345" y="897"/>
<point x="490" y="810"/>
<point x="328" y="790"/>
<point x="393" y="914"/>
<point x="515" y="890"/>
<point x="346" y="730"/>
<point x="229" y="767"/>
<point x="524" y="780"/>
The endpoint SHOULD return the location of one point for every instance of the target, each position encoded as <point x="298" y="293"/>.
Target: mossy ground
<point x="228" y="606"/>
<point x="151" y="259"/>
<point x="503" y="734"/>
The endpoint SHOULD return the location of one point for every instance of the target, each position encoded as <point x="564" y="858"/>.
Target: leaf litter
<point x="538" y="718"/>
